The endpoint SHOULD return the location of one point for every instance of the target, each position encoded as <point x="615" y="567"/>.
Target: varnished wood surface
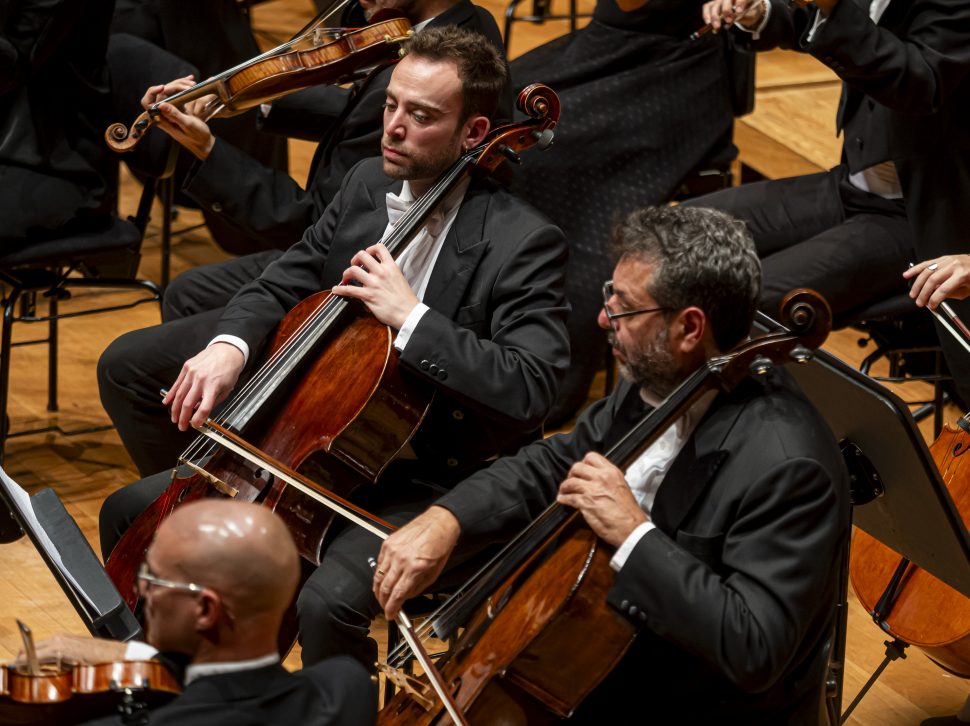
<point x="84" y="469"/>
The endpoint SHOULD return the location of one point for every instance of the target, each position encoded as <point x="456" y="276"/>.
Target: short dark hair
<point x="481" y="67"/>
<point x="701" y="257"/>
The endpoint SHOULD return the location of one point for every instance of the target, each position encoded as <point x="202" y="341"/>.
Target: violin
<point x="67" y="694"/>
<point x="317" y="56"/>
<point x="329" y="409"/>
<point x="525" y="654"/>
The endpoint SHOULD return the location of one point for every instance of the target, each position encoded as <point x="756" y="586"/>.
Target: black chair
<point x="103" y="258"/>
<point x="904" y="336"/>
<point x="541" y="12"/>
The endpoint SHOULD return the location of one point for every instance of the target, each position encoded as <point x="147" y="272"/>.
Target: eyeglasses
<point x="611" y="316"/>
<point x="146" y="576"/>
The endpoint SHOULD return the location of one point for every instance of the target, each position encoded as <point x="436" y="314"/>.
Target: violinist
<point x="898" y="193"/>
<point x="476" y="305"/>
<point x="217" y="581"/>
<point x="728" y="531"/>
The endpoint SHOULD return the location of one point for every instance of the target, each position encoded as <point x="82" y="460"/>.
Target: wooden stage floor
<point x="791" y="132"/>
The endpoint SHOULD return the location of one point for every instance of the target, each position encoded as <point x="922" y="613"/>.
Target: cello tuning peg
<point x="800" y="354"/>
<point x="761" y="365"/>
<point x="510" y="153"/>
<point x="543" y="139"/>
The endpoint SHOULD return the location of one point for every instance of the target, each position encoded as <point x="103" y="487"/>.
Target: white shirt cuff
<point x="624" y="550"/>
<point x="137" y="650"/>
<point x="756" y="32"/>
<point x="410" y="323"/>
<point x="233" y="340"/>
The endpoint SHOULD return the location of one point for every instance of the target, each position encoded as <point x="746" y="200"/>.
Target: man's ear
<point x="208" y="611"/>
<point x="690" y="329"/>
<point x="476" y="129"/>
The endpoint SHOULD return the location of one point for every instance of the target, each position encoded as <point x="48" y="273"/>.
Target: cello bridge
<point x="419" y="692"/>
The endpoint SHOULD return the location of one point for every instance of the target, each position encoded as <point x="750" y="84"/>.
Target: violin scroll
<point x="120" y="139"/>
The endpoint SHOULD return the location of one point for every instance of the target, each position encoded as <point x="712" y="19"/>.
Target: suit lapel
<point x="694" y="468"/>
<point x="460" y="254"/>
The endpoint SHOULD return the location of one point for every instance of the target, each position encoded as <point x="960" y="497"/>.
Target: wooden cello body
<point x="925" y="611"/>
<point x="353" y="413"/>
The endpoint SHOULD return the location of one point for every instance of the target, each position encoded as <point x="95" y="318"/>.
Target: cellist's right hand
<point x="187" y="126"/>
<point x="203" y="382"/>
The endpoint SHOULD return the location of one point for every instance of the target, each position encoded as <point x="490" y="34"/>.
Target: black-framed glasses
<point x="145" y="575"/>
<point x="611" y="316"/>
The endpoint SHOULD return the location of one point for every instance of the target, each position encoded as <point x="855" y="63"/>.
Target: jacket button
<point x="216" y="207"/>
<point x="424" y="365"/>
<point x="433" y="369"/>
<point x="643" y="617"/>
<point x="452" y="462"/>
<point x="858" y="142"/>
<point x="624" y="604"/>
<point x="442" y="374"/>
<point x="458" y="414"/>
<point x="632" y="610"/>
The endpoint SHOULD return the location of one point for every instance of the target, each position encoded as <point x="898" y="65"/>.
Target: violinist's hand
<point x="948" y="278"/>
<point x="413" y="557"/>
<point x="76" y="649"/>
<point x="203" y="382"/>
<point x="600" y="492"/>
<point x="188" y="126"/>
<point x="382" y="288"/>
<point x="725" y="13"/>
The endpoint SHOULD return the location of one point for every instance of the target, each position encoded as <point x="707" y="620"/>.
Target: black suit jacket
<point x="269" y="203"/>
<point x="494" y="342"/>
<point x="906" y="97"/>
<point x="337" y="691"/>
<point x="734" y="591"/>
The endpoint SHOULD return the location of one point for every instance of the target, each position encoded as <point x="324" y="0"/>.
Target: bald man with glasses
<point x="216" y="583"/>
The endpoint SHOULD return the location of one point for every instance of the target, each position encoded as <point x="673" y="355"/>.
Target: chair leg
<point x="52" y="354"/>
<point x="167" y="195"/>
<point x="6" y="340"/>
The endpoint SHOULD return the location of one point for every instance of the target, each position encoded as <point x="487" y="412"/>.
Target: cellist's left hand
<point x="383" y="288"/>
<point x="599" y="491"/>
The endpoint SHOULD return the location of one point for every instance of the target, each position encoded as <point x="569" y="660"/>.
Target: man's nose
<point x="395" y="125"/>
<point x="602" y="320"/>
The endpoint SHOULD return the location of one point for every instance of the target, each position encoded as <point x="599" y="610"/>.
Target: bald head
<point x="242" y="551"/>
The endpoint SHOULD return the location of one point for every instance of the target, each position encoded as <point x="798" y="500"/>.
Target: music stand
<point x="898" y="495"/>
<point x="60" y="543"/>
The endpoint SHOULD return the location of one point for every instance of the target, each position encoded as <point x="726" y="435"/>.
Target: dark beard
<point x="651" y="365"/>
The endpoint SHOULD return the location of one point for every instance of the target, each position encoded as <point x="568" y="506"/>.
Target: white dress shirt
<point x="646" y="474"/>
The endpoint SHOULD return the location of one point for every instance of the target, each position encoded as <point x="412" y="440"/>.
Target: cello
<point x="526" y="654"/>
<point x="330" y="400"/>
<point x="906" y="601"/>
<point x="315" y="55"/>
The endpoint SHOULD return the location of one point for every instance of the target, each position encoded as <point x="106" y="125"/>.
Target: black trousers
<point x="137" y="365"/>
<point x="820" y="231"/>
